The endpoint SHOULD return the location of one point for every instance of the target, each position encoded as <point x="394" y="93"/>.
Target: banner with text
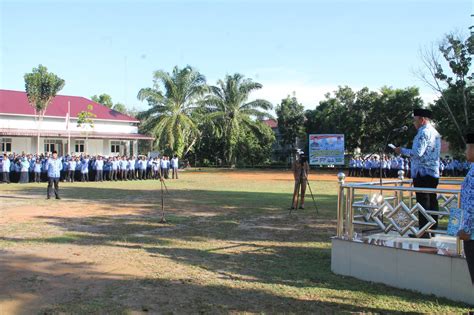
<point x="326" y="149"/>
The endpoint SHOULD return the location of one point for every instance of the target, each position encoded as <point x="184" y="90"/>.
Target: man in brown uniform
<point x="300" y="170"/>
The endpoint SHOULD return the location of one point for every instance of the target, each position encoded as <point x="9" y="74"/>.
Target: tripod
<point x="302" y="178"/>
<point x="163" y="184"/>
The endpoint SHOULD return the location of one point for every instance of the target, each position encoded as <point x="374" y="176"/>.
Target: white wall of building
<point x="21" y="144"/>
<point x="94" y="146"/>
<point x="28" y="122"/>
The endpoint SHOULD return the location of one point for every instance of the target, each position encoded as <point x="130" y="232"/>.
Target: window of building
<point x="53" y="145"/>
<point x="79" y="146"/>
<point x="6" y="144"/>
<point x="115" y="146"/>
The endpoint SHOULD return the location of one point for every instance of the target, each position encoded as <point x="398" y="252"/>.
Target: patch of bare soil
<point x="81" y="256"/>
<point x="287" y="175"/>
<point x="73" y="256"/>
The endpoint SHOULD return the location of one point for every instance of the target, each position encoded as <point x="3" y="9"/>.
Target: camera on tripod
<point x="302" y="157"/>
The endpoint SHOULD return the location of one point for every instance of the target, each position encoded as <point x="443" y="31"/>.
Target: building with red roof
<point x="113" y="133"/>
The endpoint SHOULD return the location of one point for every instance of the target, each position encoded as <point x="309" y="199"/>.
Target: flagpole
<point x="68" y="129"/>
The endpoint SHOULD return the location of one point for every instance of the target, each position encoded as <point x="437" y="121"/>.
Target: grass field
<point x="229" y="246"/>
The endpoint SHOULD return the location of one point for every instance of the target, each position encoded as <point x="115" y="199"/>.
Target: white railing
<point x="391" y="206"/>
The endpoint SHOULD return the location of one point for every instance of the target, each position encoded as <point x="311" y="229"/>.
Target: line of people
<point x="26" y="168"/>
<point x="370" y="167"/>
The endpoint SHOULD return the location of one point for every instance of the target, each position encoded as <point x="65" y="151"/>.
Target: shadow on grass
<point x="81" y="290"/>
<point x="261" y="244"/>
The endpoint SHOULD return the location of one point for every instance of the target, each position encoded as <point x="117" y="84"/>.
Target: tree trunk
<point x="40" y="120"/>
<point x="87" y="144"/>
<point x="190" y="147"/>
<point x="38" y="142"/>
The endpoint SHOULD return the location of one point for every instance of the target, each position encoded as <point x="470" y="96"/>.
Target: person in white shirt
<point x="99" y="166"/>
<point x="6" y="169"/>
<point x="174" y="167"/>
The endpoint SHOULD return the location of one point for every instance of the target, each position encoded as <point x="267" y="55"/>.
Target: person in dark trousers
<point x="37" y="171"/>
<point x="424" y="156"/>
<point x="54" y="168"/>
<point x="99" y="167"/>
<point x="174" y="167"/>
<point x="466" y="232"/>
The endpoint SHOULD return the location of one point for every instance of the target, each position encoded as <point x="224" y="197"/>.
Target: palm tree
<point x="168" y="117"/>
<point x="232" y="114"/>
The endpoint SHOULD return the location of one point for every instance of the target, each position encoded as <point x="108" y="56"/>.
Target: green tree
<point x="133" y="112"/>
<point x="392" y="108"/>
<point x="255" y="148"/>
<point x="103" y="99"/>
<point x="364" y="117"/>
<point x="290" y="116"/>
<point x="172" y="100"/>
<point x="331" y="115"/>
<point x="209" y="148"/>
<point x="231" y="112"/>
<point x="446" y="125"/>
<point x="454" y="85"/>
<point x="41" y="87"/>
<point x="85" y="120"/>
<point x="121" y="108"/>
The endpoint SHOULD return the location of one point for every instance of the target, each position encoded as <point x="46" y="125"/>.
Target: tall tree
<point x="364" y="117"/>
<point x="290" y="116"/>
<point x="104" y="99"/>
<point x="231" y="111"/>
<point x="331" y="115"/>
<point x="210" y="145"/>
<point x="41" y="87"/>
<point x="255" y="148"/>
<point x="172" y="99"/>
<point x="453" y="84"/>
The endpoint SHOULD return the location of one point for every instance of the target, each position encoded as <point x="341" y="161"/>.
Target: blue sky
<point x="306" y="47"/>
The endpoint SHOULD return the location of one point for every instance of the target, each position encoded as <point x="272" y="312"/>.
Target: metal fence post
<point x="340" y="205"/>
<point x="400" y="192"/>
<point x="349" y="213"/>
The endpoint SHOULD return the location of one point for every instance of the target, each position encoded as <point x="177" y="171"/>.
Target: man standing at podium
<point x="424" y="156"/>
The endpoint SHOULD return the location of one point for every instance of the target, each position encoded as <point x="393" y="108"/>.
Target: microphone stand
<point x="382" y="150"/>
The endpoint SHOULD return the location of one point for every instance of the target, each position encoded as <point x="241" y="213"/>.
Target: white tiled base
<point x="443" y="276"/>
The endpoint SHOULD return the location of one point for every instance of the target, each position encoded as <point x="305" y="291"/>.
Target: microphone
<point x="401" y="129"/>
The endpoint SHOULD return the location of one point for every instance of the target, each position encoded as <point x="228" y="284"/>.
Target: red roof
<point x="16" y="103"/>
<point x="272" y="123"/>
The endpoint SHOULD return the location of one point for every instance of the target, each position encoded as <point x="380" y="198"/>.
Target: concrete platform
<point x="429" y="266"/>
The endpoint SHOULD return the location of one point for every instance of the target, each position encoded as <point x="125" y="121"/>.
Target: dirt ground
<point x="90" y="255"/>
<point x="62" y="275"/>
